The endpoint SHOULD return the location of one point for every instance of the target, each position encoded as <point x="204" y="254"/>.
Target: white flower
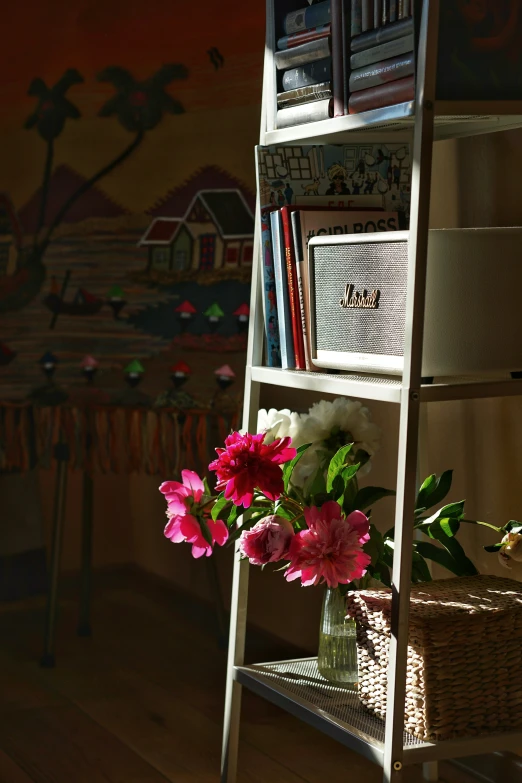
<point x="276" y="424"/>
<point x="511" y="549"/>
<point x="328" y="426"/>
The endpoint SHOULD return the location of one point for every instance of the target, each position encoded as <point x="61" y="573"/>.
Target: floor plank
<point x="142" y="701"/>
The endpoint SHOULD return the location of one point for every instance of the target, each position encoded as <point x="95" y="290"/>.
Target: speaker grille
<point x="366" y="266"/>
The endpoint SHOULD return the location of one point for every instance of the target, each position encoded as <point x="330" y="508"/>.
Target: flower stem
<point x="484" y="524"/>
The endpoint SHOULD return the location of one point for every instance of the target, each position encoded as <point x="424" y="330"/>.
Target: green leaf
<point x="449" y="526"/>
<point x="493" y="547"/>
<point x="451" y="511"/>
<point x="289" y="466"/>
<point x="434" y="490"/>
<point x="349" y="472"/>
<point x="466" y="567"/>
<point x="513" y="527"/>
<point x="381" y="572"/>
<point x="337" y="464"/>
<point x="367" y="496"/>
<point x="419" y="569"/>
<point x="452" y="556"/>
<point x="205" y="531"/>
<point x="218" y="507"/>
<point x="206" y="486"/>
<point x="337" y="491"/>
<point x="232" y="517"/>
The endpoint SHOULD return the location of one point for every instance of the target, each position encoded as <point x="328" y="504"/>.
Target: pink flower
<point x="182" y="499"/>
<point x="247" y="463"/>
<point x="331" y="549"/>
<point x="268" y="541"/>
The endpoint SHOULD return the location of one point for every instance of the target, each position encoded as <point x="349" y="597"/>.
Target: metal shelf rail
<point x="296" y="685"/>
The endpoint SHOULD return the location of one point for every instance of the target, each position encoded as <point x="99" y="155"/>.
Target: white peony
<point x="328" y="426"/>
<point x="276" y="424"/>
<point x="511" y="549"/>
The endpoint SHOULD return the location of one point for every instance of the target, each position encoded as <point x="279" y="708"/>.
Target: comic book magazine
<point x="358" y="176"/>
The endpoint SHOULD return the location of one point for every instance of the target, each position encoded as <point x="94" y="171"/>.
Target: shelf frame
<point x="429" y="121"/>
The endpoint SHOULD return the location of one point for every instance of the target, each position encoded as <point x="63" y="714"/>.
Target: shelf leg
<point x="430" y="771"/>
<point x="61" y="454"/>
<point x="426" y="22"/>
<point x="84" y="625"/>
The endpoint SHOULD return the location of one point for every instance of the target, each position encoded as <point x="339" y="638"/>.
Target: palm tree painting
<point x="139" y="106"/>
<point x="52" y="111"/>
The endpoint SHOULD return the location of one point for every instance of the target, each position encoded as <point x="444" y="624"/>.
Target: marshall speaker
<point x="472" y="323"/>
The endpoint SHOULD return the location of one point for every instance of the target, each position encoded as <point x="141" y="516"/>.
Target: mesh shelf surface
<point x="301" y="680"/>
<point x="298" y="688"/>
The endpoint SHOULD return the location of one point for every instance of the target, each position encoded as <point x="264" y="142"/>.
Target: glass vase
<point x="337" y="657"/>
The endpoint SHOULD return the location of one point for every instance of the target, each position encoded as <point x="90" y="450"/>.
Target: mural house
<point x="217" y="231"/>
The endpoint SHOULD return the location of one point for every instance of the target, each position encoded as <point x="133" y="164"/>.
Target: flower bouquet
<point x="290" y="495"/>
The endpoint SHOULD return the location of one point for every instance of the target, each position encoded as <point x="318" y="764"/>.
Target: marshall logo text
<point x="356" y="301"/>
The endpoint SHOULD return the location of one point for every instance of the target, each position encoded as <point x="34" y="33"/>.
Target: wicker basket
<point x="464" y="673"/>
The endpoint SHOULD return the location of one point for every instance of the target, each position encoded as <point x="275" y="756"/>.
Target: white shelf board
<point x="452" y="120"/>
<point x="297" y="687"/>
<point x="361" y="386"/>
<point x="383" y="388"/>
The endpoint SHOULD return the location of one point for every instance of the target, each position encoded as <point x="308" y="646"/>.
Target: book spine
<point x="385" y="16"/>
<point x="314" y="92"/>
<point x="311" y="73"/>
<point x="306" y="18"/>
<point x="393" y="11"/>
<point x="399" y="91"/>
<point x="337" y="58"/>
<point x="382" y="52"/>
<point x="273" y="344"/>
<point x="382" y="35"/>
<point x="382" y="72"/>
<point x="356" y="18"/>
<point x="281" y="286"/>
<point x="293" y="294"/>
<point x="377" y="12"/>
<point x="400" y="9"/>
<point x="367" y="15"/>
<point x="346" y="18"/>
<point x="289" y="41"/>
<point x="299" y="262"/>
<point x="407" y="9"/>
<point x="300" y="55"/>
<point x="305" y="112"/>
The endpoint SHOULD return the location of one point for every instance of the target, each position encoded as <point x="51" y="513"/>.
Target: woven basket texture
<point x="464" y="672"/>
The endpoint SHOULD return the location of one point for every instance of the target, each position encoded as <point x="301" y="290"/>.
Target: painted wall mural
<point x="127" y="197"/>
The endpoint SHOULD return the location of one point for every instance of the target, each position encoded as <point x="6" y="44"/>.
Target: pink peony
<point x="268" y="541"/>
<point x="331" y="549"/>
<point x="247" y="463"/>
<point x="182" y="499"/>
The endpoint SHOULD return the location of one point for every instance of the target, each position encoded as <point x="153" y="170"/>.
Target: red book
<point x="293" y="293"/>
<point x="383" y="95"/>
<point x="296" y="39"/>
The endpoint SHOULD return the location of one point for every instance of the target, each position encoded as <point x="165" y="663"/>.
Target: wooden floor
<point x="141" y="702"/>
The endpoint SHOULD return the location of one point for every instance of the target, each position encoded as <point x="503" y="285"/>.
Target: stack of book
<point x="382" y="61"/>
<point x="304" y="64"/>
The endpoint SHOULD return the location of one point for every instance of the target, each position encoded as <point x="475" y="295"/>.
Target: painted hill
<point x="64" y="182"/>
<point x="176" y="201"/>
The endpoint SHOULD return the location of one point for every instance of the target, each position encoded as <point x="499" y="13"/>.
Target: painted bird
<point x="216" y="58"/>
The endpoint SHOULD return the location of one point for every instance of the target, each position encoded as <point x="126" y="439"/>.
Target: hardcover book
<point x="289" y="41"/>
<point x="382" y="52"/>
<point x="281" y="285"/>
<point x="305" y="53"/>
<point x="273" y="345"/>
<point x="356" y="17"/>
<point x="381" y="72"/>
<point x="305" y="112"/>
<point x="337" y="57"/>
<point x="367" y="15"/>
<point x="311" y="73"/>
<point x="382" y="35"/>
<point x="400" y="91"/>
<point x="314" y="92"/>
<point x="306" y="18"/>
